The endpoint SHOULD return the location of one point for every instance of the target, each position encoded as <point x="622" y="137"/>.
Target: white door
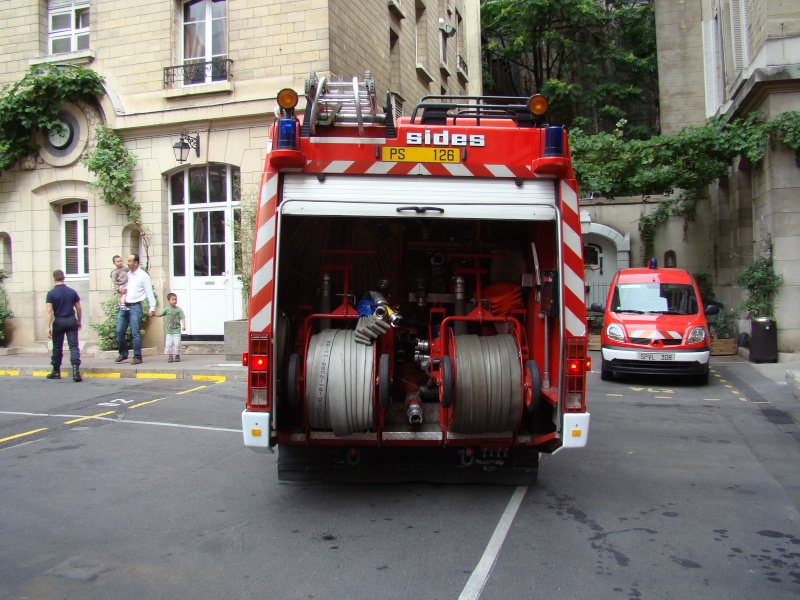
<point x="209" y="288"/>
<point x="203" y="203"/>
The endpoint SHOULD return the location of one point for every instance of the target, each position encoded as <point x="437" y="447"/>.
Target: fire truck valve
<point x="414" y="408"/>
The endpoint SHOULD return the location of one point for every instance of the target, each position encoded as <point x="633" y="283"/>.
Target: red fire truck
<point x="417" y="307"/>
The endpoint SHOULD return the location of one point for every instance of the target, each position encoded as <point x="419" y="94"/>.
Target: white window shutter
<point x="710" y="66"/>
<point x="739" y="36"/>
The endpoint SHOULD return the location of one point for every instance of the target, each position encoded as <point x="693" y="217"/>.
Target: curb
<point x="214" y="375"/>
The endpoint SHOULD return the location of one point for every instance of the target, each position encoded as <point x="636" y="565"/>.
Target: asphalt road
<point x="682" y="492"/>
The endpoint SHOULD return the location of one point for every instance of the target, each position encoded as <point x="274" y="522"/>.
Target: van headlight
<point x="615" y="332"/>
<point x="697" y="335"/>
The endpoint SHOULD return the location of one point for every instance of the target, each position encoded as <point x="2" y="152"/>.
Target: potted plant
<point x="5" y="312"/>
<point x="761" y="283"/>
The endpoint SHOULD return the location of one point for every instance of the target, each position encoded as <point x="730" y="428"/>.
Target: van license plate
<point x="656" y="356"/>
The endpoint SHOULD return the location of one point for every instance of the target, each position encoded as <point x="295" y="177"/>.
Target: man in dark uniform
<point x="64" y="314"/>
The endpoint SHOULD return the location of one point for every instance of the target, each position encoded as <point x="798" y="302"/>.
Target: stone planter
<point x="235" y="339"/>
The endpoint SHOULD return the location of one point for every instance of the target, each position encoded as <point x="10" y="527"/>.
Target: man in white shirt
<point x="137" y="289"/>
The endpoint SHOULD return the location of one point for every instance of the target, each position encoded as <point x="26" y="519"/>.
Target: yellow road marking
<point x="102" y="375"/>
<point x="110" y="412"/>
<point x="217" y="378"/>
<point x="9" y="372"/>
<point x="617" y="395"/>
<point x="146" y="402"/>
<point x="738" y="393"/>
<point x="156" y="376"/>
<point x="711" y="399"/>
<point x="761" y="402"/>
<point x="19" y="435"/>
<point x="191" y="390"/>
<point x="664" y="397"/>
<point x="729" y="386"/>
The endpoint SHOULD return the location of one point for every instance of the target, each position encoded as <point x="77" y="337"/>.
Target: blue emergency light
<point x="287" y="134"/>
<point x="554" y="141"/>
<point x="653" y="263"/>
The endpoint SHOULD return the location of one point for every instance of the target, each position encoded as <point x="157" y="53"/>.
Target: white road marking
<point x="116" y="420"/>
<point x="472" y="590"/>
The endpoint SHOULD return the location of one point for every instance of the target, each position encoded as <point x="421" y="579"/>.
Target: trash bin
<point x="763" y="340"/>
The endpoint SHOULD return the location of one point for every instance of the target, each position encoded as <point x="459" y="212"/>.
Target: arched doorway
<point x="605" y="251"/>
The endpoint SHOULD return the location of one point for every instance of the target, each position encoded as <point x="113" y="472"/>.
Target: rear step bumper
<point x="369" y="464"/>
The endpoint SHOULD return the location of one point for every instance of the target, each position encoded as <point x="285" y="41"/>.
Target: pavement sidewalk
<point x="214" y="367"/>
<point x="209" y="367"/>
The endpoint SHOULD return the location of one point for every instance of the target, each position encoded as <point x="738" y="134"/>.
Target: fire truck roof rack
<point x="340" y="101"/>
<point x="437" y="109"/>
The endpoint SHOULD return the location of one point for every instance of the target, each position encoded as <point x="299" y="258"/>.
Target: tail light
<point x="576" y="365"/>
<point x="259" y="367"/>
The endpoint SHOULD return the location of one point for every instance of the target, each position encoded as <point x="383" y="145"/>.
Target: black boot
<point x="76" y="374"/>
<point x="56" y="374"/>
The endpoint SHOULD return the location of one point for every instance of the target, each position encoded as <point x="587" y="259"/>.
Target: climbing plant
<point x="112" y="163"/>
<point x="609" y="165"/>
<point x="31" y="104"/>
<point x="761" y="284"/>
<point x="5" y="312"/>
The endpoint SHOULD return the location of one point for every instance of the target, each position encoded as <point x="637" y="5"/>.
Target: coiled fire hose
<point x="340" y="382"/>
<point x="488" y="384"/>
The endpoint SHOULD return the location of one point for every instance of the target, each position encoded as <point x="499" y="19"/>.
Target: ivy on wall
<point x="32" y="104"/>
<point x="609" y="165"/>
<point x="112" y="163"/>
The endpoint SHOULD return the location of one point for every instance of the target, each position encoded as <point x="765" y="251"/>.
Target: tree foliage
<point x="32" y="104"/>
<point x="594" y="61"/>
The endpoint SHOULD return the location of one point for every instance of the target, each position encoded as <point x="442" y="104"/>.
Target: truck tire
<point x="292" y="376"/>
<point x="702" y="379"/>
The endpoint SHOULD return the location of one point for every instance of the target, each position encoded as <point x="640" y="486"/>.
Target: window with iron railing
<point x="198" y="72"/>
<point x="204" y="42"/>
<point x="461" y="64"/>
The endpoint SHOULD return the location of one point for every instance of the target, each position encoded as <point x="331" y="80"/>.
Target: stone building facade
<point x="729" y="58"/>
<point x="209" y="69"/>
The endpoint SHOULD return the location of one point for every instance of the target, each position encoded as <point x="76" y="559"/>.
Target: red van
<point x="654" y="324"/>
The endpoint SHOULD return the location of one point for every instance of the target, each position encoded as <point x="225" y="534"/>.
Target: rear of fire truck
<point x="417" y="307"/>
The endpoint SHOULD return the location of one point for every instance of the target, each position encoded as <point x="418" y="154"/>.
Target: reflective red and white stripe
<point x="263" y="282"/>
<point x="655" y="334"/>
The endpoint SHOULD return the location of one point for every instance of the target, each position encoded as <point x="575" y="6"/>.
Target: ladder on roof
<point x="340" y="101"/>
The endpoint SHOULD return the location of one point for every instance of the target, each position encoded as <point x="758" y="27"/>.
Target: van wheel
<point x="606" y="374"/>
<point x="701" y="379"/>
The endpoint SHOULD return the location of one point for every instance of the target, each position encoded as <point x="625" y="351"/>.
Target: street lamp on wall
<point x="189" y="140"/>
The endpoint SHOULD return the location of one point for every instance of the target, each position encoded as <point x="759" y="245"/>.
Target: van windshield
<point x="655" y="298"/>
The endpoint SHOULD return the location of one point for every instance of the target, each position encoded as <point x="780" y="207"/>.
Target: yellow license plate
<point x="420" y="155"/>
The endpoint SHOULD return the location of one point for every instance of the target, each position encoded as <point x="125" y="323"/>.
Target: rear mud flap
<point x="367" y="464"/>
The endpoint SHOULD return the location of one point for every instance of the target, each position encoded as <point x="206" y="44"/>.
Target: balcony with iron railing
<point x="461" y="67"/>
<point x="194" y="72"/>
